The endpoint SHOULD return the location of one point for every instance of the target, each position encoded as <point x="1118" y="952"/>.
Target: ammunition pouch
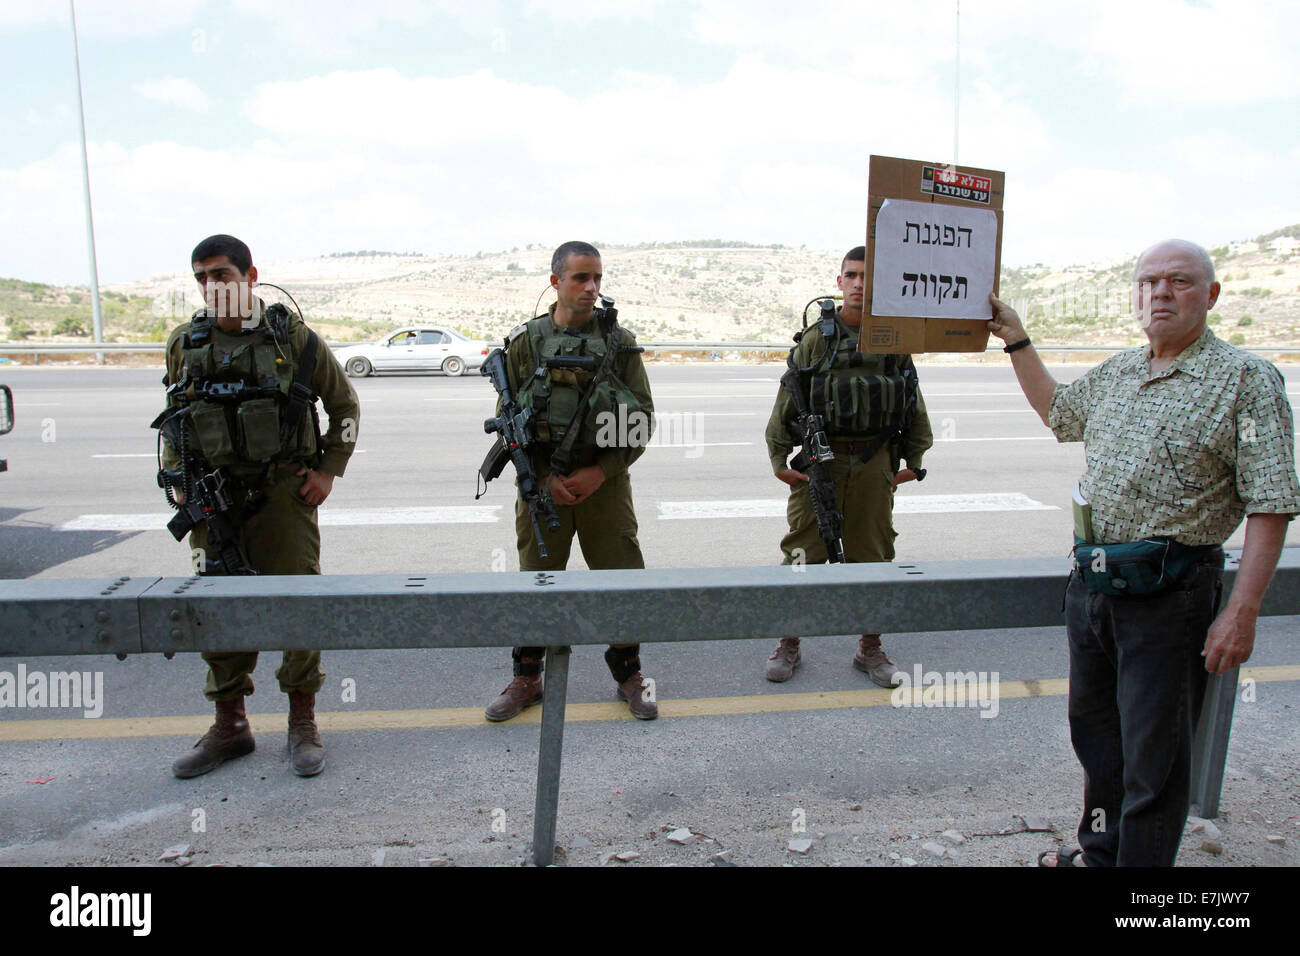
<point x="258" y="429"/>
<point x="567" y="363"/>
<point x="247" y="407"/>
<point x="855" y="404"/>
<point x="211" y="433"/>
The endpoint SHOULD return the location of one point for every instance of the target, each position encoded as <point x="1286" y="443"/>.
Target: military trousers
<point x="281" y="538"/>
<point x="864" y="495"/>
<point x="605" y="525"/>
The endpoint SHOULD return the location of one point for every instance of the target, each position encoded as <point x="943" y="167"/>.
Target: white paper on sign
<point x="933" y="260"/>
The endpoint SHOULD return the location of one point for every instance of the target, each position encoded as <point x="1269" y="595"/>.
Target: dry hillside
<point x="709" y="291"/>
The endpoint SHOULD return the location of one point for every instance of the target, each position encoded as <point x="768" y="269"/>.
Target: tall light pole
<point x="957" y="78"/>
<point x="85" y="181"/>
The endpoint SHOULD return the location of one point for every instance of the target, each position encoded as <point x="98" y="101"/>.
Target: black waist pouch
<point x="1137" y="568"/>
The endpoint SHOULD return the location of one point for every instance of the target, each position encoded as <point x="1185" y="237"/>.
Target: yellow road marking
<point x="106" y="728"/>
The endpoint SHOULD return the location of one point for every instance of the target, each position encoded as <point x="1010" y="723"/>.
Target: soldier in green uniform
<point x="279" y="468"/>
<point x="861" y="396"/>
<point x="593" y="498"/>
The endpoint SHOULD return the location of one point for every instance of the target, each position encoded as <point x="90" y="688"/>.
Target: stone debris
<point x="580" y="843"/>
<point x="1035" y="824"/>
<point x="934" y="849"/>
<point x="680" y="835"/>
<point x="605" y="858"/>
<point x="907" y="861"/>
<point x="722" y="856"/>
<point x="627" y="856"/>
<point x="433" y="861"/>
<point x="1204" y="827"/>
<point x="184" y="860"/>
<point x="174" y="852"/>
<point x="856" y="806"/>
<point x="895" y="856"/>
<point x="1275" y="838"/>
<point x="799" y="846"/>
<point x="953" y="836"/>
<point x="1212" y="846"/>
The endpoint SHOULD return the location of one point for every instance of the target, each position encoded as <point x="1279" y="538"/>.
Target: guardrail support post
<point x="549" y="750"/>
<point x="1210" y="746"/>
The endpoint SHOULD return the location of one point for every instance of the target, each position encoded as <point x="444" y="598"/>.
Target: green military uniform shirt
<point x="809" y="350"/>
<point x="328" y="381"/>
<point x="521" y="362"/>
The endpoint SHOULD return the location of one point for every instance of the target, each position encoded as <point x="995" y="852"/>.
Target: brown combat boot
<point x="640" y="697"/>
<point x="306" y="751"/>
<point x="781" y="665"/>
<point x="524" y="691"/>
<point x="228" y="738"/>
<point x="871" y="660"/>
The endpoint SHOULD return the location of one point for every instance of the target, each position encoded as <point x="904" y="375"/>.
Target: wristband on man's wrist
<point x="1023" y="343"/>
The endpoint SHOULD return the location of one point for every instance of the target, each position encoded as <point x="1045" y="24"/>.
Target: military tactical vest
<point x="554" y="394"/>
<point x="857" y="393"/>
<point x="246" y="405"/>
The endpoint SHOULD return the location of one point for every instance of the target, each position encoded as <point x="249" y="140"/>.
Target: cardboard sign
<point x="934" y="251"/>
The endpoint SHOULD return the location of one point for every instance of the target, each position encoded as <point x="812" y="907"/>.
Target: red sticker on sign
<point x="952" y="184"/>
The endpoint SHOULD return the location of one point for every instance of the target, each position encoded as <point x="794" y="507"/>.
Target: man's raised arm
<point x="1035" y="381"/>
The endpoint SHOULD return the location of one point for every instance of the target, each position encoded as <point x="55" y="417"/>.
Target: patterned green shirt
<point x="1186" y="452"/>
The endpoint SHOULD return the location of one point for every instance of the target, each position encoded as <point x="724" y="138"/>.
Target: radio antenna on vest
<point x="538" y="304"/>
<point x="272" y="285"/>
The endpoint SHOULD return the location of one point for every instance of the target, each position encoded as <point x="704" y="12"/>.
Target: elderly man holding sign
<point x="1182" y="437"/>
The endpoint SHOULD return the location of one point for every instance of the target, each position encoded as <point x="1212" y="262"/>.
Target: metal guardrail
<point x="54" y="617"/>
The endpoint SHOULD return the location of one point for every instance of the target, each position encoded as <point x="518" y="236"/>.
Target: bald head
<point x="1197" y="254"/>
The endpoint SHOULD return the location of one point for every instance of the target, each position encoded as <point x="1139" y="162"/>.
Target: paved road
<point x="80" y="501"/>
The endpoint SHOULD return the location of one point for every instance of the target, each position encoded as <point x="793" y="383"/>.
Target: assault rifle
<point x="208" y="497"/>
<point x="810" y="431"/>
<point x="514" y="426"/>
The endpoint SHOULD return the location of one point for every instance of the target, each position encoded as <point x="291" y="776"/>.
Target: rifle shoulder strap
<point x="613" y="340"/>
<point x="302" y="397"/>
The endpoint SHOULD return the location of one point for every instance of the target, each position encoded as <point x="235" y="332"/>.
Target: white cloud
<point x="1175" y="54"/>
<point x="175" y="90"/>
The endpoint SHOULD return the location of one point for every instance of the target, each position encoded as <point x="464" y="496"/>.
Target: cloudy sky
<point x="313" y="127"/>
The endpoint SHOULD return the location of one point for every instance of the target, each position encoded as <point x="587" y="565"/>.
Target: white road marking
<point x="903" y="504"/>
<point x="328" y="517"/>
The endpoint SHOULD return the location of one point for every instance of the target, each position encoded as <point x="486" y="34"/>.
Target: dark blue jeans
<point x="1137" y="679"/>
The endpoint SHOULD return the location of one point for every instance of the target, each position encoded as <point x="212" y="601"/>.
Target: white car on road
<point x="422" y="348"/>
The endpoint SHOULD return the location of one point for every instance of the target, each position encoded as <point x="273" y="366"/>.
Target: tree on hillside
<point x="69" y="325"/>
